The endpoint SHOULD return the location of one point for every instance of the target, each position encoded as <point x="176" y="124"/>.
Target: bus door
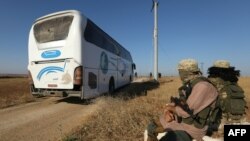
<point x="103" y="82"/>
<point x="121" y="72"/>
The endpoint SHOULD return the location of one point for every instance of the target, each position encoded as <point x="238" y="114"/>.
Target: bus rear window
<point x="53" y="29"/>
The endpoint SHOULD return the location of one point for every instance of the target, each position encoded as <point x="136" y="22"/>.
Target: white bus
<point x="71" y="55"/>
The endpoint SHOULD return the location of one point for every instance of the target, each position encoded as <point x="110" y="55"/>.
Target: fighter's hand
<point x="169" y="116"/>
<point x="169" y="108"/>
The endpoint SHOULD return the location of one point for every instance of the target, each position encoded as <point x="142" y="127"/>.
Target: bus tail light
<point x="78" y="74"/>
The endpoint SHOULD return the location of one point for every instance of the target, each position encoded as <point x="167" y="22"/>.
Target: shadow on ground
<point x="75" y="100"/>
<point x="138" y="89"/>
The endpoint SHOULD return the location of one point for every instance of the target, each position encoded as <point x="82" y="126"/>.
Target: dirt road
<point x="46" y="119"/>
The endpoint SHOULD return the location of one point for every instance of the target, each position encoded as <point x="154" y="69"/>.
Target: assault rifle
<point x="182" y="103"/>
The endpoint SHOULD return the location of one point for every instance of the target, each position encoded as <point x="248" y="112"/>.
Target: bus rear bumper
<point x="63" y="93"/>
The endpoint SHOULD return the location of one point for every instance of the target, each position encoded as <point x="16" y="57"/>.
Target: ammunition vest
<point x="200" y="119"/>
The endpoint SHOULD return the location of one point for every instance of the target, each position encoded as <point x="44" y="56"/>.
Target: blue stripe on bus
<point x="51" y="54"/>
<point x="49" y="70"/>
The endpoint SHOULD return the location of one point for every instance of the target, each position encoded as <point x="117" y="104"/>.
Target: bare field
<point x="14" y="91"/>
<point x="122" y="117"/>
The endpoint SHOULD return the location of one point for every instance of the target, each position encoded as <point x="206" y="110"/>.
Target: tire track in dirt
<point x="46" y="119"/>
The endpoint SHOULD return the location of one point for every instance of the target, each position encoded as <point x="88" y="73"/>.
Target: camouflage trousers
<point x="154" y="128"/>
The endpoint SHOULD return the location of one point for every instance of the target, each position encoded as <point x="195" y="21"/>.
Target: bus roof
<point x="58" y="13"/>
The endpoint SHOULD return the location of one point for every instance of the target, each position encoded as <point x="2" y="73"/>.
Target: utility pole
<point x="155" y="40"/>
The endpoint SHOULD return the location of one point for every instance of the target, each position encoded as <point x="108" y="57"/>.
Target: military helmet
<point x="190" y="65"/>
<point x="221" y="64"/>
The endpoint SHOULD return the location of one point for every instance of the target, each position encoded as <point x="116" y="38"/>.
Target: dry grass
<point x="245" y="83"/>
<point x="14" y="91"/>
<point x="126" y="115"/>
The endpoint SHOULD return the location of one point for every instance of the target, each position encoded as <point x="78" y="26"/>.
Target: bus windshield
<point x="53" y="29"/>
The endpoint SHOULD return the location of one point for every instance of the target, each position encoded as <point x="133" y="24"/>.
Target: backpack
<point x="232" y="102"/>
